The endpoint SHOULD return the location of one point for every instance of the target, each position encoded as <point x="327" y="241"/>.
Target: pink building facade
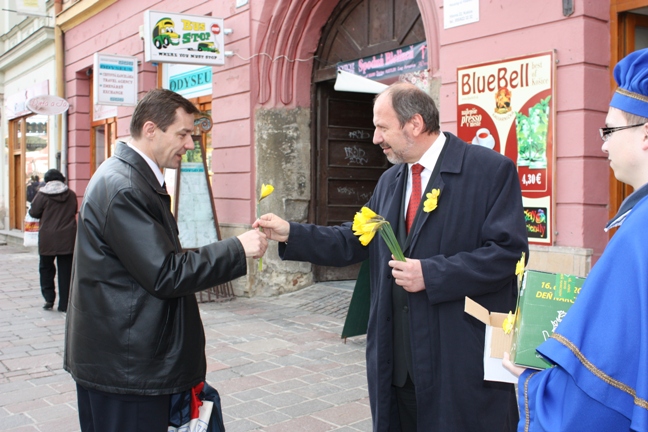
<point x="267" y="112"/>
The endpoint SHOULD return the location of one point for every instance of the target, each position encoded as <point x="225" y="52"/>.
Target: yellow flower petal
<point x="519" y="267"/>
<point x="266" y="189"/>
<point x="367" y="237"/>
<point x="432" y="199"/>
<point x="366" y="223"/>
<point x="368" y="213"/>
<point x="508" y="323"/>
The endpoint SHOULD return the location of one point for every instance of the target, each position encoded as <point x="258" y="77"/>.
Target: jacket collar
<point x="626" y="207"/>
<point x="451" y="161"/>
<point x="131" y="157"/>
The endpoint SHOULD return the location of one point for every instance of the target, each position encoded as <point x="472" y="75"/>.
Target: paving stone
<point x="278" y="362"/>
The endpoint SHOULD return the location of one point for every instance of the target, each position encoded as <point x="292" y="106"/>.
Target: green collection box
<point x="543" y="302"/>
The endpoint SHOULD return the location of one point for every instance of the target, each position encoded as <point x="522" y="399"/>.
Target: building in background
<point x="278" y="119"/>
<point x="31" y="142"/>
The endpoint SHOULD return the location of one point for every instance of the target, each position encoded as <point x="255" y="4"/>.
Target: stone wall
<point x="283" y="159"/>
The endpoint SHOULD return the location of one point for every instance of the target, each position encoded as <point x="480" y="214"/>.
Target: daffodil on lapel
<point x="367" y="222"/>
<point x="432" y="200"/>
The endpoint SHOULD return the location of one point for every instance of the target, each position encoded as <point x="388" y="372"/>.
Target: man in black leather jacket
<point x="133" y="333"/>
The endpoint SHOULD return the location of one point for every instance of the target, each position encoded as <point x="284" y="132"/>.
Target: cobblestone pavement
<point x="278" y="363"/>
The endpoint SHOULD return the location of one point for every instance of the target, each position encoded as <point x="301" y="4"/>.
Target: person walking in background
<point x="600" y="349"/>
<point x="56" y="206"/>
<point x="424" y="354"/>
<point x="133" y="331"/>
<point x="32" y="187"/>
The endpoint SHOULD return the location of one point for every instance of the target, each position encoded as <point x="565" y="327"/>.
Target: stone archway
<point x="285" y="41"/>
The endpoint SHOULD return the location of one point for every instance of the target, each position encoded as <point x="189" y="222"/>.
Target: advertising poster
<point x="508" y="106"/>
<point x="115" y="80"/>
<point x="188" y="39"/>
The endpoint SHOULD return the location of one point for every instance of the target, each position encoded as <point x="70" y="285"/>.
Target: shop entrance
<point x="28" y="159"/>
<point x="346" y="164"/>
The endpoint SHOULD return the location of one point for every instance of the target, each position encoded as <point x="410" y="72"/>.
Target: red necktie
<point x="415" y="197"/>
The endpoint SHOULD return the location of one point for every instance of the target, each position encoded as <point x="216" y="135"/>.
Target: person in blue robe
<point x="600" y="350"/>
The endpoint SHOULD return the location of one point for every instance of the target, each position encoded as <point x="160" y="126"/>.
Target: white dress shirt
<point x="429" y="161"/>
<point x="156" y="169"/>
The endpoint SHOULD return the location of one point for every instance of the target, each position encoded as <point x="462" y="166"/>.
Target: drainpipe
<point x="61" y="120"/>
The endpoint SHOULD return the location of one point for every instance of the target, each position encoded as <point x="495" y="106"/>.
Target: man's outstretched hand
<point x="273" y="226"/>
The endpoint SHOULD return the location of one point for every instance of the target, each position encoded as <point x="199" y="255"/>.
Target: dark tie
<point x="164" y="187"/>
<point x="415" y="197"/>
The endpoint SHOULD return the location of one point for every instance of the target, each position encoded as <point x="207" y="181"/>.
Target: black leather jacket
<point x="133" y="324"/>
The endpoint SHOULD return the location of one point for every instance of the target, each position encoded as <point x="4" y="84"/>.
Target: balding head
<point x="408" y="100"/>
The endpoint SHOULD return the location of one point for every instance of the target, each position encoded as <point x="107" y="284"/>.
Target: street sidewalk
<point x="278" y="363"/>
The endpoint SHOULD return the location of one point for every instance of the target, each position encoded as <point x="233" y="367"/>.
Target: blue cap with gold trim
<point x="631" y="75"/>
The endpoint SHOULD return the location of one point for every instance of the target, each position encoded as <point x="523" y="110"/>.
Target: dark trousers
<point x="48" y="272"/>
<point x="405" y="402"/>
<point x="109" y="412"/>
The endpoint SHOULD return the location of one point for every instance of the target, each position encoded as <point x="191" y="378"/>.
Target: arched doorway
<point x="346" y="164"/>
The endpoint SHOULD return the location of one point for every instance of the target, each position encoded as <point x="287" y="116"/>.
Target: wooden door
<point x="348" y="164"/>
<point x="17" y="183"/>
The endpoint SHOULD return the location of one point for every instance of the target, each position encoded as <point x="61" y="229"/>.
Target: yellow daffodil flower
<point x="508" y="323"/>
<point x="266" y="189"/>
<point x="432" y="199"/>
<point x="366" y="223"/>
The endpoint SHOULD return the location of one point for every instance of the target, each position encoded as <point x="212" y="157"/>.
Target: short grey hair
<point x="409" y="100"/>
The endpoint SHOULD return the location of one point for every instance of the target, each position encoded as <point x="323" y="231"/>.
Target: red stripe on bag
<point x="31" y="226"/>
<point x="196" y="403"/>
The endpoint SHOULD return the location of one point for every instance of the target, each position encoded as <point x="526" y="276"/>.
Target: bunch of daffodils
<point x="365" y="225"/>
<point x="266" y="189"/>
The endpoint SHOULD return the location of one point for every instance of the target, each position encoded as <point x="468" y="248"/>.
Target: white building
<point x="32" y="143"/>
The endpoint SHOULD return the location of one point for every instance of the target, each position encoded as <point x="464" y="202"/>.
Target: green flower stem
<point x="387" y="234"/>
<point x="260" y="229"/>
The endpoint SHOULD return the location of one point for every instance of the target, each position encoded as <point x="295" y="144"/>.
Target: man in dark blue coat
<point x="424" y="354"/>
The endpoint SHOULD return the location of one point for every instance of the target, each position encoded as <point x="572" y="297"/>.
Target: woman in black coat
<point x="56" y="206"/>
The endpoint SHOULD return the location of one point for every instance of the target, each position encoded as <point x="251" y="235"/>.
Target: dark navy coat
<point x="468" y="246"/>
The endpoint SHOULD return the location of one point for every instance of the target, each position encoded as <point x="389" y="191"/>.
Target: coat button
<point x="388" y="318"/>
<point x="405" y="309"/>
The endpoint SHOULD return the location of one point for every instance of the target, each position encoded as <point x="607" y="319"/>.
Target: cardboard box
<point x="543" y="302"/>
<point x="496" y="343"/>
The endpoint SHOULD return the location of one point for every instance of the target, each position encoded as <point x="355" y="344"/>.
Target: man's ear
<point x="148" y="129"/>
<point x="417" y="124"/>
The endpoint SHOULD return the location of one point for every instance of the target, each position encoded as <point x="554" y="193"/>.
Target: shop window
<point x="103" y="133"/>
<point x="102" y="142"/>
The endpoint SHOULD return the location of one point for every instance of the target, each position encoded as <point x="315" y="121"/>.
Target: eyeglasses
<point x="607" y="131"/>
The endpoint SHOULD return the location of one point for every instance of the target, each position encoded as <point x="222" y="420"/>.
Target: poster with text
<point x="181" y="38"/>
<point x="509" y="106"/>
